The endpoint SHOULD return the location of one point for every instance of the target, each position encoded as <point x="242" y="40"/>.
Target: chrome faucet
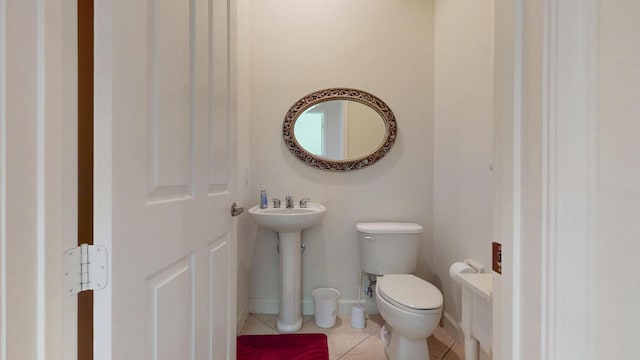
<point x="303" y="202"/>
<point x="289" y="201"/>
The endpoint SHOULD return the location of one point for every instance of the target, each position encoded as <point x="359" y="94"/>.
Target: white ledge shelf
<point x="480" y="284"/>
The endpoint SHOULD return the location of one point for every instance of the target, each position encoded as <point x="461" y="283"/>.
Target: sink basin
<point x="288" y="220"/>
<point x="289" y="224"/>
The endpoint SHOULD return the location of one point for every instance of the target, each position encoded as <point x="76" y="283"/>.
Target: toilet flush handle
<point x="369" y="237"/>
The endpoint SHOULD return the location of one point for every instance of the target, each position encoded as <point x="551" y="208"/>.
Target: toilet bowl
<point x="410" y="306"/>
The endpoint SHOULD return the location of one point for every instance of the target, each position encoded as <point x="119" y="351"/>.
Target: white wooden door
<point x="37" y="178"/>
<point x="164" y="171"/>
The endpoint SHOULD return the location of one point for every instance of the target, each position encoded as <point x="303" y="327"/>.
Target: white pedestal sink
<point x="289" y="224"/>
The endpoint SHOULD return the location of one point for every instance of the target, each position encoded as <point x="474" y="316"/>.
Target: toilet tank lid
<point x="389" y="228"/>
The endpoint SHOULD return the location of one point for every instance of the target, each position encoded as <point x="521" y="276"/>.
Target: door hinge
<point x="85" y="268"/>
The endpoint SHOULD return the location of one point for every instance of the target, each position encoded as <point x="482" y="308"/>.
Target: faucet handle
<point x="276" y="203"/>
<point x="303" y="202"/>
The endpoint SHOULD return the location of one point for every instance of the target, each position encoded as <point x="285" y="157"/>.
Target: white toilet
<point x="411" y="307"/>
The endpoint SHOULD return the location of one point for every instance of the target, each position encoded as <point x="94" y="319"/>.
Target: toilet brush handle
<point x="359" y="287"/>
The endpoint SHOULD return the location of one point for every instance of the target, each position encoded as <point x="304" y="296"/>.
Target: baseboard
<point x="242" y="318"/>
<point x="262" y="306"/>
<point x="453" y="327"/>
<point x="257" y="306"/>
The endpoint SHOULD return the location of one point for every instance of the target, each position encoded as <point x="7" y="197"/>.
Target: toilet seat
<point x="410" y="293"/>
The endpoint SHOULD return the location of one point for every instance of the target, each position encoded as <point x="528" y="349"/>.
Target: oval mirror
<point x="339" y="129"/>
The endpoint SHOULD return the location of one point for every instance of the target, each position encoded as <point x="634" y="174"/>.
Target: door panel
<point x="171" y="119"/>
<point x="164" y="151"/>
<point x="219" y="107"/>
<point x="170" y="306"/>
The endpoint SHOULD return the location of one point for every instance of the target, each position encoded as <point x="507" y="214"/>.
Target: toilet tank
<point x="388" y="247"/>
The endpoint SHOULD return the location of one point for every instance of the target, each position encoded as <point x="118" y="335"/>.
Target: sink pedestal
<point x="290" y="317"/>
<point x="288" y="223"/>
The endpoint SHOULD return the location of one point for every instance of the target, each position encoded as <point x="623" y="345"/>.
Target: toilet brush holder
<point x="357" y="312"/>
<point x="358" y="317"/>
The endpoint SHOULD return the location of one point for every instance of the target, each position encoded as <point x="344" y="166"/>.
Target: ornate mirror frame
<point x="391" y="129"/>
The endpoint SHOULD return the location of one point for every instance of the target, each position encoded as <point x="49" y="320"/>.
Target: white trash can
<point x="325" y="305"/>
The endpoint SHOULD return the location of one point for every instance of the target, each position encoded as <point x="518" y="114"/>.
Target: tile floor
<point x="347" y="343"/>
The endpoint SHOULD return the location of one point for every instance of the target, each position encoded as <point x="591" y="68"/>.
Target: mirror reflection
<point x="340" y="129"/>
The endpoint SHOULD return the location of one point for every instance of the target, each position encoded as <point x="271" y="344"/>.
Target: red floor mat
<point x="285" y="346"/>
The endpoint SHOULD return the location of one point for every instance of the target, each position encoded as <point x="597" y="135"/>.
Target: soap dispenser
<point x="264" y="202"/>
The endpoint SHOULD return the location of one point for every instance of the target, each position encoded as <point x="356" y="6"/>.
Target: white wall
<point x="241" y="55"/>
<point x="379" y="46"/>
<point x="463" y="142"/>
<point x="617" y="184"/>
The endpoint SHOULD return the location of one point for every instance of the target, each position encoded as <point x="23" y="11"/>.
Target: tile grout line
<point x="448" y="350"/>
<point x="269" y="326"/>
<point x="353" y="347"/>
<point x="276" y="327"/>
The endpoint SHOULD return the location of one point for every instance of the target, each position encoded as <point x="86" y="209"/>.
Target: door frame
<point x="545" y="141"/>
<point x="85" y="165"/>
<point x="38" y="177"/>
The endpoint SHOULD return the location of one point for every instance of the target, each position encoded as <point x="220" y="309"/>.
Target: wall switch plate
<point x="497" y="257"/>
